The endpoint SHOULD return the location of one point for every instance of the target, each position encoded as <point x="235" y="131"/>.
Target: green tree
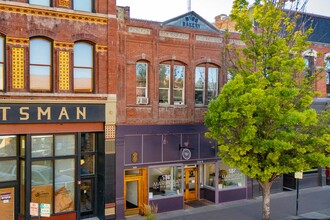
<point x="262" y="119"/>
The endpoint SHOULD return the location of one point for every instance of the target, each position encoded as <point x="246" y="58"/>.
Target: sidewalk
<point x="313" y="203"/>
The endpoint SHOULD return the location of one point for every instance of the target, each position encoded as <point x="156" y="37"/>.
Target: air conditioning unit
<point x="142" y="100"/>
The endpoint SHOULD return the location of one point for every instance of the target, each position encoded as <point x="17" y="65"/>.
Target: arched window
<point x="83" y="5"/>
<point x="40" y="64"/>
<point x="2" y="54"/>
<point x="327" y="72"/>
<point x="206" y="83"/>
<point x="40" y="2"/>
<point x="83" y="69"/>
<point x="310" y="59"/>
<point x="142" y="83"/>
<point x="171" y="83"/>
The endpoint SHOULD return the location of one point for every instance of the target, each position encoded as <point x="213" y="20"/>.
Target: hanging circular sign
<point x="186" y="153"/>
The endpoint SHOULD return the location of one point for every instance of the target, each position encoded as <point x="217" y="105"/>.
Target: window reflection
<point x="82" y="5"/>
<point x="42" y="146"/>
<point x="83" y="67"/>
<point x="1" y="63"/>
<point x="40" y="2"/>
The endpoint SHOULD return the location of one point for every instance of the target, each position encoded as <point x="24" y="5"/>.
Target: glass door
<point x="86" y="197"/>
<point x="191" y="185"/>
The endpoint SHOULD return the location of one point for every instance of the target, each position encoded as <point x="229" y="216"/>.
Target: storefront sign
<point x="34" y="209"/>
<point x="44" y="210"/>
<point x="5" y="197"/>
<point x="186" y="153"/>
<point x="55" y="113"/>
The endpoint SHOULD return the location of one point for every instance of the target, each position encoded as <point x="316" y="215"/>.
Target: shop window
<point x="165" y="181"/>
<point x="2" y="58"/>
<point x="40" y="2"/>
<point x="230" y="177"/>
<point x="209" y="175"/>
<point x="83" y="5"/>
<point x="142" y="83"/>
<point x="8" y="160"/>
<point x="171" y="84"/>
<point x="206" y="84"/>
<point x="53" y="171"/>
<point x="40" y="65"/>
<point x="83" y="70"/>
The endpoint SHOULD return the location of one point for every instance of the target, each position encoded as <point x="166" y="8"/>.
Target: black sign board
<point x="51" y="113"/>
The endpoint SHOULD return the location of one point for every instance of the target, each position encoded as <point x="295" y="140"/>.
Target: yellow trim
<point x="102" y="49"/>
<point x="53" y="14"/>
<point x="17" y="41"/>
<point x="63" y="45"/>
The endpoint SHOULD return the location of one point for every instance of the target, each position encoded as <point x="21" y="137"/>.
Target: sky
<point x="162" y="10"/>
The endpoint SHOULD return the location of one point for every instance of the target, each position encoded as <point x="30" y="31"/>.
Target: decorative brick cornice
<point x="18" y="41"/>
<point x="53" y="14"/>
<point x="63" y="45"/>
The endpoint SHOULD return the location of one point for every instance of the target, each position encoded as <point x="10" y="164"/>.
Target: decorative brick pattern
<point x="63" y="3"/>
<point x="137" y="30"/>
<point x="209" y="39"/>
<point x="101" y="49"/>
<point x="64" y="71"/>
<point x="63" y="45"/>
<point x="53" y="14"/>
<point x="171" y="34"/>
<point x="110" y="131"/>
<point x="18" y="68"/>
<point x="17" y="41"/>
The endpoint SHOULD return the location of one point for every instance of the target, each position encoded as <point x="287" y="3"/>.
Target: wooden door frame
<point x="186" y="183"/>
<point x="142" y="179"/>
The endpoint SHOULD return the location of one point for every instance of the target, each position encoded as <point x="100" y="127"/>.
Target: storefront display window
<point x="230" y="177"/>
<point x="53" y="177"/>
<point x="209" y="174"/>
<point x="165" y="181"/>
<point x="8" y="160"/>
<point x="7" y="170"/>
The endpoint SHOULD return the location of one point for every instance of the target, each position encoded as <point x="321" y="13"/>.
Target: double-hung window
<point x="2" y="75"/>
<point x="141" y="83"/>
<point x="206" y="84"/>
<point x="40" y="65"/>
<point x="83" y="71"/>
<point x="40" y="2"/>
<point x="171" y="84"/>
<point x="83" y="5"/>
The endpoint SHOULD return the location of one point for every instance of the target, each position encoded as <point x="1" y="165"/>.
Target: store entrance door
<point x="135" y="191"/>
<point x="191" y="186"/>
<point x="7" y="203"/>
<point x="87" y="198"/>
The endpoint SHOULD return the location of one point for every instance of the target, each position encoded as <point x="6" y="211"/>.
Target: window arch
<point x="2" y="63"/>
<point x="40" y="2"/>
<point x="40" y="64"/>
<point x="172" y="83"/>
<point x="206" y="83"/>
<point x="83" y="67"/>
<point x="83" y="5"/>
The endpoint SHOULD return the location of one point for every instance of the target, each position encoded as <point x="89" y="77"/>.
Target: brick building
<point x="57" y="107"/>
<point x="168" y="72"/>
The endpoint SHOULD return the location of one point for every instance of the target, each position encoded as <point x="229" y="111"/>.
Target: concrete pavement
<point x="313" y="203"/>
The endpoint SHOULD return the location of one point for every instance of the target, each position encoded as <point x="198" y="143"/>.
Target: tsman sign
<point x="51" y="113"/>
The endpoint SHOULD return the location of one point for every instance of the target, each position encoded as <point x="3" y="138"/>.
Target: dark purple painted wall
<point x="168" y="204"/>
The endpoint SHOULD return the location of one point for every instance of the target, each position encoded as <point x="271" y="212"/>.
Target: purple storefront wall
<point x="159" y="145"/>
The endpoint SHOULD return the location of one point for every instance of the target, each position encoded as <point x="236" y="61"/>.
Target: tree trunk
<point x="266" y="199"/>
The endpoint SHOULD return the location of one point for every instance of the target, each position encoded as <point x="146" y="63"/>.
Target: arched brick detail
<point x="141" y="57"/>
<point x="85" y="37"/>
<point x="3" y="30"/>
<point x="41" y="32"/>
<point x="175" y="58"/>
<point x="207" y="60"/>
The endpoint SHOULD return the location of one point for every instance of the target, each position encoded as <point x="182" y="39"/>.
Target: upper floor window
<point x="40" y="65"/>
<point x="83" y="69"/>
<point x="310" y="58"/>
<point x="206" y="84"/>
<point x="83" y="5"/>
<point x="141" y="83"/>
<point x="40" y="2"/>
<point x="2" y="49"/>
<point x="327" y="69"/>
<point x="171" y="84"/>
